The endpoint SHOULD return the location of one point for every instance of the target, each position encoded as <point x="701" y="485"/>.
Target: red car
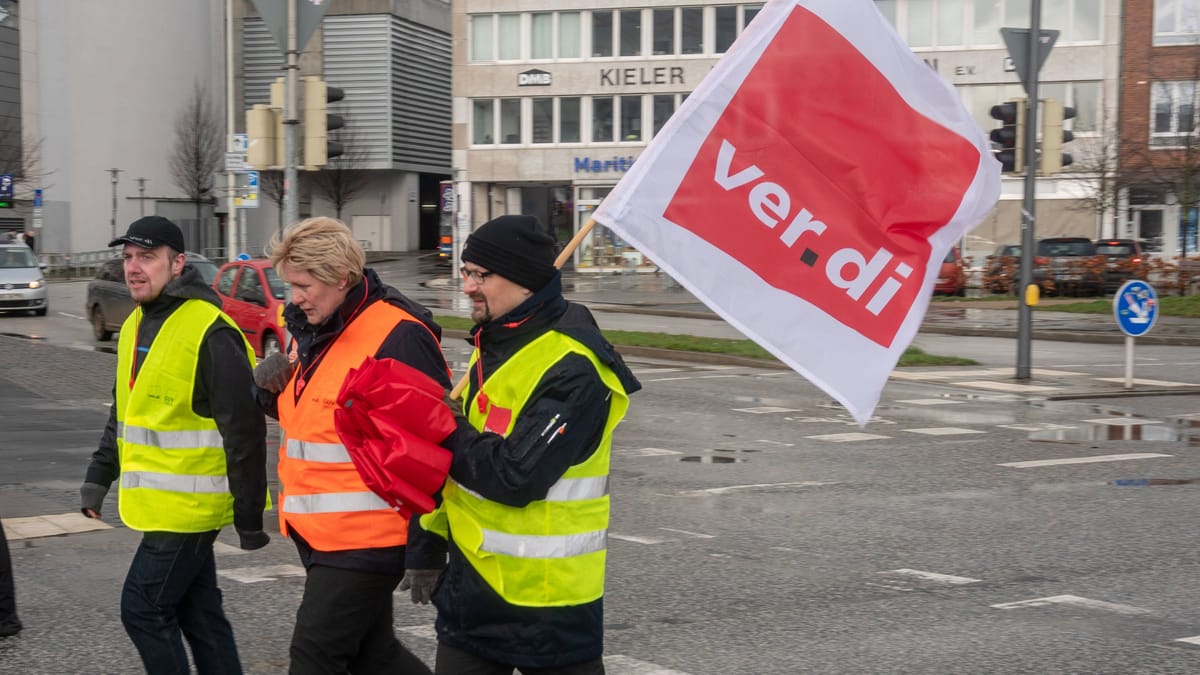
<point x="253" y="295"/>
<point x="952" y="275"/>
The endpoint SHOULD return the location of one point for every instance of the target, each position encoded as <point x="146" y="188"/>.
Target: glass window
<point x="919" y="23"/>
<point x="631" y="118"/>
<point x="664" y="106"/>
<point x="1086" y="101"/>
<point x="1016" y="12"/>
<point x="748" y="14"/>
<point x="888" y="9"/>
<point x="568" y="120"/>
<point x="726" y="28"/>
<point x="664" y="32"/>
<point x="279" y="287"/>
<point x="1056" y="16"/>
<point x="602" y="29"/>
<point x="602" y="119"/>
<point x="541" y="35"/>
<point x="691" y="30"/>
<point x="1176" y="22"/>
<point x="569" y="35"/>
<point x="509" y="29"/>
<point x="950" y="23"/>
<point x="482" y="121"/>
<point x="510" y="121"/>
<point x="987" y="22"/>
<point x="225" y="284"/>
<point x="250" y="288"/>
<point x="631" y="32"/>
<point x="482" y="45"/>
<point x="1186" y="108"/>
<point x="1085" y="26"/>
<point x="543" y="120"/>
<point x="1173" y="112"/>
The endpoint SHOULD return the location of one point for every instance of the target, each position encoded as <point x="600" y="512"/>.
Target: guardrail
<point x="81" y="263"/>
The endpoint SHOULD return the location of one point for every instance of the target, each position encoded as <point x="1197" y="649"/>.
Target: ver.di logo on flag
<point x="790" y="183"/>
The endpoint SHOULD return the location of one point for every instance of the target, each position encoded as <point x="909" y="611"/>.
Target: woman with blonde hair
<point x="350" y="541"/>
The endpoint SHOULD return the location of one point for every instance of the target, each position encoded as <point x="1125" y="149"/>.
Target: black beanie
<point x="515" y="247"/>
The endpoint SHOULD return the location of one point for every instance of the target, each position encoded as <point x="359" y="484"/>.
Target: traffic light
<point x="1010" y="136"/>
<point x="318" y="149"/>
<point x="264" y="131"/>
<point x="1053" y="136"/>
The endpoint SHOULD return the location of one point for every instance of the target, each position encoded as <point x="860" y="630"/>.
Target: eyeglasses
<point x="474" y="276"/>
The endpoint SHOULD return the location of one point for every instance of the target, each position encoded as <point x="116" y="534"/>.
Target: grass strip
<point x="1168" y="305"/>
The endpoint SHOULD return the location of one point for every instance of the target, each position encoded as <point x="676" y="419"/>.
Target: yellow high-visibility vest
<point x="172" y="460"/>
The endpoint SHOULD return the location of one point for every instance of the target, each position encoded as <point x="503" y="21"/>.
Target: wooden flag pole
<point x="561" y="260"/>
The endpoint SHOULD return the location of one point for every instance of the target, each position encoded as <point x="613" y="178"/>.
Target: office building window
<point x="888" y="9"/>
<point x="602" y="119"/>
<point x="725" y="28"/>
<point x="482" y="38"/>
<point x="569" y="120"/>
<point x="510" y="121"/>
<point x="631" y="32"/>
<point x="664" y="107"/>
<point x="631" y="118"/>
<point x="602" y="33"/>
<point x="1076" y="20"/>
<point x="664" y="32"/>
<point x="748" y="14"/>
<point x="1172" y="113"/>
<point x="543" y="120"/>
<point x="483" y="117"/>
<point x="1176" y="22"/>
<point x="541" y="35"/>
<point x="509" y="37"/>
<point x="691" y="30"/>
<point x="569" y="36"/>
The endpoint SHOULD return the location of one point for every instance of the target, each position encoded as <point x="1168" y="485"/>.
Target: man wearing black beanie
<point x="527" y="495"/>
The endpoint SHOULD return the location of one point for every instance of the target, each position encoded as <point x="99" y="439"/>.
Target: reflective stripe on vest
<point x="525" y="554"/>
<point x="321" y="494"/>
<point x="172" y="461"/>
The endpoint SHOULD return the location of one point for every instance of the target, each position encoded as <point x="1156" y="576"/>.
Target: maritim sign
<point x="534" y="78"/>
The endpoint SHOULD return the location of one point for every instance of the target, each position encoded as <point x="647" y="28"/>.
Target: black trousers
<point x="344" y="625"/>
<point x="8" y="596"/>
<point x="451" y="661"/>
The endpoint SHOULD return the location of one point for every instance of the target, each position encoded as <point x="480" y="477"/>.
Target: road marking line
<point x="1083" y="460"/>
<point x="1074" y="601"/>
<point x="762" y="410"/>
<point x="1041" y="426"/>
<point x="1123" y="421"/>
<point x="646" y="452"/>
<point x="54" y="525"/>
<point x="847" y="437"/>
<point x="697" y="535"/>
<point x="221" y="548"/>
<point x="72" y="316"/>
<point x="619" y="664"/>
<point x="1003" y="386"/>
<point x="945" y="431"/>
<point x="733" y="488"/>
<point x="1190" y="640"/>
<point x="253" y="575"/>
<point x="764" y="440"/>
<point x="636" y="540"/>
<point x="691" y="377"/>
<point x="929" y="401"/>
<point x="1149" y="383"/>
<point x="934" y="576"/>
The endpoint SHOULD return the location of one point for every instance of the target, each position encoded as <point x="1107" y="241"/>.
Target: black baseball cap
<point x="152" y="232"/>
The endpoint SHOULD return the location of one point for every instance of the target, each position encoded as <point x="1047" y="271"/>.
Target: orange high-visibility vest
<point x="321" y="494"/>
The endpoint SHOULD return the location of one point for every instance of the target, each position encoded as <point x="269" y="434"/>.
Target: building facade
<point x="1159" y="178"/>
<point x="553" y="101"/>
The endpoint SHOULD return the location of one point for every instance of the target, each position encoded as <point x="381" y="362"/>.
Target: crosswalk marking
<point x="636" y="540"/>
<point x="34" y="527"/>
<point x="934" y="576"/>
<point x="1123" y="421"/>
<point x="689" y="533"/>
<point x="765" y="409"/>
<point x="1004" y="386"/>
<point x="221" y="548"/>
<point x="645" y="452"/>
<point x="945" y="431"/>
<point x="1148" y="383"/>
<point x="1073" y="601"/>
<point x="930" y="401"/>
<point x="755" y="486"/>
<point x="1195" y="640"/>
<point x="848" y="437"/>
<point x="253" y="575"/>
<point x="1036" y="426"/>
<point x="1084" y="460"/>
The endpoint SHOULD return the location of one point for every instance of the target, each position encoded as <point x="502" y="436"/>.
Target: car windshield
<point x="1114" y="250"/>
<point x="17" y="257"/>
<point x="1065" y="248"/>
<point x="279" y="287"/>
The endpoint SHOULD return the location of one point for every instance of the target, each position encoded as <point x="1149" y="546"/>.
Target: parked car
<point x="22" y="286"/>
<point x="1068" y="265"/>
<point x="1003" y="272"/>
<point x="952" y="276"/>
<point x="253" y="295"/>
<point x="1124" y="260"/>
<point x="108" y="303"/>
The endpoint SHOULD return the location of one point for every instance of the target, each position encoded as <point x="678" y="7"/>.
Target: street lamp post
<point x="114" y="172"/>
<point x="142" y="196"/>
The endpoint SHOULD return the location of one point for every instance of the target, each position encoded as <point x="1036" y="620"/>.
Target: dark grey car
<point x="1063" y="265"/>
<point x="108" y="301"/>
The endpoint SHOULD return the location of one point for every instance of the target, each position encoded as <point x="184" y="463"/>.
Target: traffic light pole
<point x="291" y="211"/>
<point x="1024" y="309"/>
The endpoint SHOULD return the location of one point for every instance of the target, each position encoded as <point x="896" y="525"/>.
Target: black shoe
<point x="10" y="626"/>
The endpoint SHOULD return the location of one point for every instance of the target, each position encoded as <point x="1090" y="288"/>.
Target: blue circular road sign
<point x="1135" y="307"/>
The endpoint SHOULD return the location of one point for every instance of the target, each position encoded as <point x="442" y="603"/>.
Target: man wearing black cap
<point x="189" y="446"/>
<point x="525" y="509"/>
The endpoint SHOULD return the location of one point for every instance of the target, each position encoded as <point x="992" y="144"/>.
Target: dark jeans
<point x="451" y="661"/>
<point x="344" y="625"/>
<point x="8" y="597"/>
<point x="172" y="588"/>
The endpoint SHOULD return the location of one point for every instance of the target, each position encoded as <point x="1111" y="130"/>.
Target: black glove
<point x="421" y="583"/>
<point x="273" y="373"/>
<point x="91" y="496"/>
<point x="252" y="540"/>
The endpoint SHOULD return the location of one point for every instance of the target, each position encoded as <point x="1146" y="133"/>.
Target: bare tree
<point x="198" y="148"/>
<point x="20" y="156"/>
<point x="343" y="177"/>
<point x="1100" y="178"/>
<point x="271" y="184"/>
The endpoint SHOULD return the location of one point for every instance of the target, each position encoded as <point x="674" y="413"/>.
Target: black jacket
<point x="223" y="391"/>
<point x="519" y="469"/>
<point x="410" y="343"/>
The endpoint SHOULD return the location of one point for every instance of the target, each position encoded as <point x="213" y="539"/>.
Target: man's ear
<point x="178" y="263"/>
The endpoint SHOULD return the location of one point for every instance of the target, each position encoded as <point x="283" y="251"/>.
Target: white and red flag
<point x="808" y="190"/>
